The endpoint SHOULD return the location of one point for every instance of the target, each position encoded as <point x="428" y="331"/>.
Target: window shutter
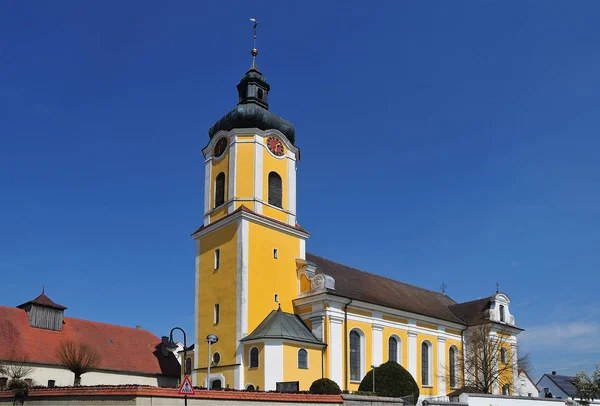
<point x="275" y="189"/>
<point x="220" y="189"/>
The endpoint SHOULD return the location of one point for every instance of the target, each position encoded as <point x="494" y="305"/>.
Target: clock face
<point x="275" y="146"/>
<point x="220" y="147"/>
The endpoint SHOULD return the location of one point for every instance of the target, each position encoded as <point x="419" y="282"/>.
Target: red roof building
<point x="32" y="333"/>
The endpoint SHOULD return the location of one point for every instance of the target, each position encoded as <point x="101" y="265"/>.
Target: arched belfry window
<point x="275" y="189"/>
<point x="219" y="189"/>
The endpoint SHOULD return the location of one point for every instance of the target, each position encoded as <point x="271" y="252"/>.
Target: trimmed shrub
<point x="325" y="386"/>
<point x="391" y="380"/>
<point x="20" y="387"/>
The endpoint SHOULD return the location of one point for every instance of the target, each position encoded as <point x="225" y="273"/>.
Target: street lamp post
<point x="373" y="367"/>
<point x="172" y="347"/>
<point x="210" y="339"/>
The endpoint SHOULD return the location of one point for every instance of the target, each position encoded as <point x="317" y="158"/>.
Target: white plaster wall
<point x="524" y="388"/>
<point x="491" y="400"/>
<point x="63" y="377"/>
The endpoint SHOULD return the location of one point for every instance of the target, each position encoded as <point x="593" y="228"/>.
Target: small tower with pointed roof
<point x="42" y="312"/>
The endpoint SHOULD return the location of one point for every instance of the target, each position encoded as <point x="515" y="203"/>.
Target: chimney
<point x="553" y="372"/>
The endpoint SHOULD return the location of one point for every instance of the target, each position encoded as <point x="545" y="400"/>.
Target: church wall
<point x="403" y="336"/>
<point x="268" y="276"/>
<point x="217" y="286"/>
<point x="459" y="374"/>
<point x="291" y="372"/>
<point x="254" y="376"/>
<point x="279" y="165"/>
<point x="366" y="349"/>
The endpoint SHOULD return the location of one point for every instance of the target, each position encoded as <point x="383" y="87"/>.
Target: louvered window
<point x="275" y="189"/>
<point x="355" y="354"/>
<point x="220" y="189"/>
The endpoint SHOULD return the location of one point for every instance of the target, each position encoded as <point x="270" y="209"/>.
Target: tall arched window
<point x="504" y="355"/>
<point x="219" y="189"/>
<point x="302" y="358"/>
<point x="253" y="357"/>
<point x="425" y="363"/>
<point x="188" y="366"/>
<point x="452" y="363"/>
<point x="393" y="349"/>
<point x="355" y="356"/>
<point x="275" y="189"/>
<point x="501" y="313"/>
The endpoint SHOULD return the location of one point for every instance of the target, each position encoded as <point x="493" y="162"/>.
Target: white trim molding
<point x="377" y="350"/>
<point x="335" y="350"/>
<point x="441" y="366"/>
<point x="273" y="357"/>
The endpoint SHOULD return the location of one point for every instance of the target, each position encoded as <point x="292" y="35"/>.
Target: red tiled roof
<point x="121" y="348"/>
<point x="43" y="300"/>
<point x="243" y="208"/>
<point x="151" y="391"/>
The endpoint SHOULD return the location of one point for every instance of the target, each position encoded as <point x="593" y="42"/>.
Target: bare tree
<point x="487" y="359"/>
<point x="77" y="357"/>
<point x="524" y="363"/>
<point x="588" y="387"/>
<point x="16" y="369"/>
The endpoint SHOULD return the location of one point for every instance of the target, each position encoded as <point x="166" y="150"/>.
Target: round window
<point x="216" y="358"/>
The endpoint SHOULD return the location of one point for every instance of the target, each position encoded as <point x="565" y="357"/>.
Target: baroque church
<point x="283" y="315"/>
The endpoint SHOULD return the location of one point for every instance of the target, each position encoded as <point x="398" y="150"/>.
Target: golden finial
<point x="254" y="51"/>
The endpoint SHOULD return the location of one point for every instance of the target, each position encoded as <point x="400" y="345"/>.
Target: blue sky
<point x="441" y="141"/>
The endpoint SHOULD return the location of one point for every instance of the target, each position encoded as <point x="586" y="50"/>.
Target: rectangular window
<point x="217" y="258"/>
<point x="275" y="253"/>
<point x="217" y="315"/>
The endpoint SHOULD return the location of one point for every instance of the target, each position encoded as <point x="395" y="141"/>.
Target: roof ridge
<point x="110" y="324"/>
<point x="472" y="301"/>
<point x="384" y="277"/>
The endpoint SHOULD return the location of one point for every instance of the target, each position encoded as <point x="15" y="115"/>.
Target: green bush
<point x="20" y="387"/>
<point x="325" y="386"/>
<point x="390" y="380"/>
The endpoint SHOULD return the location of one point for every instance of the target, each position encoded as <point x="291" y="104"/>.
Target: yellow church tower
<point x="249" y="243"/>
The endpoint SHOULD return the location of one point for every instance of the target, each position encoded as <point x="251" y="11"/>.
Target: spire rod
<point x="43" y="286"/>
<point x="254" y="51"/>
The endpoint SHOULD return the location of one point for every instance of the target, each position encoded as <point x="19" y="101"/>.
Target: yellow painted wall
<point x="275" y="213"/>
<point x="268" y="276"/>
<point x="431" y="390"/>
<point x="244" y="156"/>
<point x="403" y="335"/>
<point x="427" y="325"/>
<point x="218" y="287"/>
<point x="506" y="377"/>
<point x="305" y="284"/>
<point x="218" y="166"/>
<point x="304" y="310"/>
<point x="255" y="376"/>
<point x="291" y="372"/>
<point x="395" y="319"/>
<point x="218" y="213"/>
<point x="227" y="371"/>
<point x="190" y="355"/>
<point x="360" y="312"/>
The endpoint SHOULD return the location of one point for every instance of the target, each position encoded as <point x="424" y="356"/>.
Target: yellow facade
<point x="403" y="336"/>
<point x="255" y="376"/>
<point x="244" y="169"/>
<point x="291" y="372"/>
<point x="268" y="277"/>
<point x="431" y="389"/>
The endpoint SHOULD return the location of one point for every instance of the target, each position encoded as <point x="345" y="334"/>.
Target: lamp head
<point x="170" y="345"/>
<point x="211" y="338"/>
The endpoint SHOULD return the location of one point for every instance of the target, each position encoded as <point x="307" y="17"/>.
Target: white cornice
<point x="253" y="218"/>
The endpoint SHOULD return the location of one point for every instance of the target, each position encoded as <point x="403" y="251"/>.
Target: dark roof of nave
<point x="367" y="287"/>
<point x="243" y="208"/>
<point x="473" y="312"/>
<point x="285" y="326"/>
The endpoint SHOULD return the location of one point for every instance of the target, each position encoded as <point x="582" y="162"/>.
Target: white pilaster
<point x="335" y="350"/>
<point x="377" y="351"/>
<point x="242" y="299"/>
<point x="207" y="188"/>
<point x="291" y="191"/>
<point x="302" y="248"/>
<point x="412" y="354"/>
<point x="258" y="173"/>
<point x="196" y="317"/>
<point x="318" y="323"/>
<point x="231" y="176"/>
<point x="273" y="359"/>
<point x="515" y="368"/>
<point x="441" y="366"/>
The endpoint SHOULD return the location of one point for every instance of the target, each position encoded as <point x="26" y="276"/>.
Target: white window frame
<point x="217" y="258"/>
<point x="398" y="348"/>
<point x="429" y="364"/>
<point x="363" y="356"/>
<point x="216" y="314"/>
<point x="250" y="358"/>
<point x="298" y="358"/>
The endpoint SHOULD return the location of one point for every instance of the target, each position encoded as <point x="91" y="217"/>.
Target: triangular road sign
<point x="186" y="387"/>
